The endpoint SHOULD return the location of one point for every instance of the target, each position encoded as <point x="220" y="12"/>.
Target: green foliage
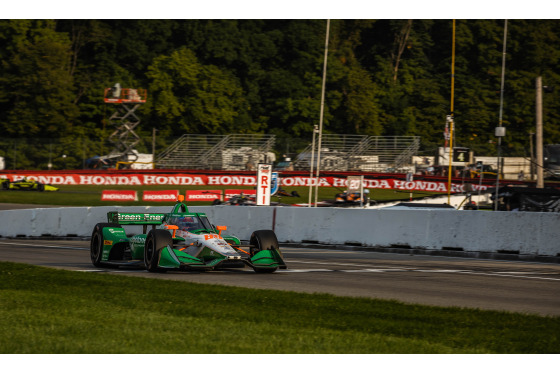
<point x="36" y="87"/>
<point x="384" y="77"/>
<point x="194" y="98"/>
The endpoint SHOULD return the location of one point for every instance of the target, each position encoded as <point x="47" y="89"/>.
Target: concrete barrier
<point x="523" y="233"/>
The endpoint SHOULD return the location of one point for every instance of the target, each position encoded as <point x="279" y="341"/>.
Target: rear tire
<point x="155" y="241"/>
<point x="263" y="240"/>
<point x="96" y="243"/>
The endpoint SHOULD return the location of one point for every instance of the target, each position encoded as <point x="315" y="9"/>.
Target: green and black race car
<point x="180" y="240"/>
<point x="26" y="185"/>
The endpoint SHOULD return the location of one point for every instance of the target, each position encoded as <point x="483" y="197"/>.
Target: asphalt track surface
<point x="516" y="286"/>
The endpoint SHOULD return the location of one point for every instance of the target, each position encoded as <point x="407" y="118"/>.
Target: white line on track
<point x="345" y="264"/>
<point x="41" y="246"/>
<point x="305" y="270"/>
<point x="515" y="276"/>
<point x="373" y="270"/>
<point x="465" y="272"/>
<point x="522" y="275"/>
<point x="442" y="271"/>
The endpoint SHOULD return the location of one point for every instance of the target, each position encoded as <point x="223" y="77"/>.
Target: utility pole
<point x="450" y="119"/>
<point x="153" y="143"/>
<point x="153" y="147"/>
<point x="539" y="133"/>
<point x="532" y="155"/>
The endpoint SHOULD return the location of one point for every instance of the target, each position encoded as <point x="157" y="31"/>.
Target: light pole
<point x="500" y="133"/>
<point x="154" y="148"/>
<point x="321" y="114"/>
<point x="311" y="165"/>
<point x="500" y="130"/>
<point x="539" y="132"/>
<point x="49" y="165"/>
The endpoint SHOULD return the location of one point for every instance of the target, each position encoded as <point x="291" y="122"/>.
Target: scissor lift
<point x="124" y="119"/>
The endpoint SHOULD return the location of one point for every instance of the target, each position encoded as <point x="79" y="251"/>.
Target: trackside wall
<point x="528" y="233"/>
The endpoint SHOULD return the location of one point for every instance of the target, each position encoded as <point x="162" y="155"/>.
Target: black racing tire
<point x="96" y="243"/>
<point x="155" y="241"/>
<point x="5" y="185"/>
<point x="40" y="187"/>
<point x="263" y="240"/>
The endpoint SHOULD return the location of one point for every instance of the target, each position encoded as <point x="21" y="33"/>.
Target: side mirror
<point x="172" y="227"/>
<point x="220" y="229"/>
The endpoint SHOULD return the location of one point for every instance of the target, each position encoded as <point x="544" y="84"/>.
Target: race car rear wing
<point x="135" y="218"/>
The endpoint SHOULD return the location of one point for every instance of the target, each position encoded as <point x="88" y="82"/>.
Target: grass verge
<point x="91" y="195"/>
<point x="56" y="311"/>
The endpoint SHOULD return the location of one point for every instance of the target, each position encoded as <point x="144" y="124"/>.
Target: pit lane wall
<point x="525" y="233"/>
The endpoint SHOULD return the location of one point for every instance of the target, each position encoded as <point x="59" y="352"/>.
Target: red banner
<point x="119" y="195"/>
<point x="203" y="195"/>
<point x="140" y="179"/>
<point x="147" y="179"/>
<point x="166" y="195"/>
<point x="390" y="184"/>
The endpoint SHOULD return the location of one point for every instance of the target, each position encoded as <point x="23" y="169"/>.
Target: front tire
<point x="96" y="243"/>
<point x="155" y="241"/>
<point x="263" y="240"/>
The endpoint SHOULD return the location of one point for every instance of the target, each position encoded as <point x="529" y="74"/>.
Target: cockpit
<point x="190" y="223"/>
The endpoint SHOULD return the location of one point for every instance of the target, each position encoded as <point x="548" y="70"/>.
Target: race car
<point x="352" y="198"/>
<point x="241" y="199"/>
<point x="180" y="240"/>
<point x="26" y="185"/>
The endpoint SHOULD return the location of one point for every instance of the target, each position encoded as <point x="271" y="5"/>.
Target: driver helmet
<point x="187" y="222"/>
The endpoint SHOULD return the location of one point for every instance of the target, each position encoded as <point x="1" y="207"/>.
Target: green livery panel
<point x="113" y="237"/>
<point x="267" y="259"/>
<point x="175" y="259"/>
<point x="135" y="218"/>
<point x="137" y="243"/>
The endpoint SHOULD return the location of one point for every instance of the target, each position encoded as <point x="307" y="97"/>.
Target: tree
<point x="36" y="89"/>
<point x="353" y="97"/>
<point x="189" y="97"/>
<point x="384" y="77"/>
